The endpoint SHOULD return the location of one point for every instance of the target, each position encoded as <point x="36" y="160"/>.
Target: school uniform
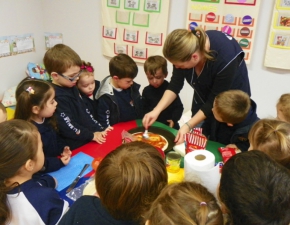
<point x="53" y="146"/>
<point x="75" y="121"/>
<point x="236" y="134"/>
<point x="88" y="210"/>
<point x="90" y="101"/>
<point x="151" y="97"/>
<point x="116" y="106"/>
<point x="31" y="203"/>
<point x="227" y="71"/>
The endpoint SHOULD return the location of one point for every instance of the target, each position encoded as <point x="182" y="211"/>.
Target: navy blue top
<point x="227" y="71"/>
<point x="236" y="134"/>
<point x="88" y="210"/>
<point x="75" y="121"/>
<point x="151" y="96"/>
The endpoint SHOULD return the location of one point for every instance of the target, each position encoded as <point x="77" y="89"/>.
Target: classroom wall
<point x="80" y="23"/>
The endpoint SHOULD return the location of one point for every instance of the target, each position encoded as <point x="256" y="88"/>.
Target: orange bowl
<point x="96" y="163"/>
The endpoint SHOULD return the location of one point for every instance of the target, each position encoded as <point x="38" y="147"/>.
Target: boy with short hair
<point x="155" y="68"/>
<point x="3" y="113"/>
<point x="75" y="122"/>
<point x="234" y="114"/>
<point x="283" y="108"/>
<point x="127" y="181"/>
<point x="118" y="97"/>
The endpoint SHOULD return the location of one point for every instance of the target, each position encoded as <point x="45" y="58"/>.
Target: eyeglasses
<point x="70" y="78"/>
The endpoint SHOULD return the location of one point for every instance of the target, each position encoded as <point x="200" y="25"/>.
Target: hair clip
<point x="202" y="203"/>
<point x="195" y="33"/>
<point x="87" y="68"/>
<point x="30" y="90"/>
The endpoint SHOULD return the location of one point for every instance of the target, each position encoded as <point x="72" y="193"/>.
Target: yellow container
<point x="176" y="177"/>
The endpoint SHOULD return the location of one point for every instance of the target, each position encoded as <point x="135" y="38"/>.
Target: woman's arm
<point x="196" y="119"/>
<point x="167" y="98"/>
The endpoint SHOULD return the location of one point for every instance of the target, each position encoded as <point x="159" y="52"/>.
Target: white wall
<point x="80" y="23"/>
<point x="20" y="17"/>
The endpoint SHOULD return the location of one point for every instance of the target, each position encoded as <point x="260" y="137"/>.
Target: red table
<point x="114" y="139"/>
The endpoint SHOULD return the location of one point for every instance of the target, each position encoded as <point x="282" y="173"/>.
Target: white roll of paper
<point x="199" y="166"/>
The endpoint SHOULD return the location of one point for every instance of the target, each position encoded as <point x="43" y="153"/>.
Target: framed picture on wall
<point x="153" y="38"/>
<point x="119" y="49"/>
<point x="140" y="53"/>
<point x="131" y="36"/>
<point x="132" y="4"/>
<point x="113" y="3"/>
<point x="109" y="32"/>
<point x="152" y="5"/>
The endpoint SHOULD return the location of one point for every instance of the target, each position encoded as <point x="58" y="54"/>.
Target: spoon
<point x="145" y="134"/>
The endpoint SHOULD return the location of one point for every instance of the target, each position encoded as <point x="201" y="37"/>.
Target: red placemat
<point x="114" y="139"/>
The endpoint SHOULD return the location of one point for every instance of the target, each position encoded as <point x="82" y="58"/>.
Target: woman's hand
<point x="180" y="134"/>
<point x="149" y="118"/>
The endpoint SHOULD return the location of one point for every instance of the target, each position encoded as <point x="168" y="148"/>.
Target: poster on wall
<point x="278" y="48"/>
<point x="5" y="46"/>
<point x="235" y="17"/>
<point x="51" y="39"/>
<point x="22" y="43"/>
<point x="134" y="27"/>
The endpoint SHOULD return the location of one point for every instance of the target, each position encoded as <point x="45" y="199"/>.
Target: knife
<point x="73" y="184"/>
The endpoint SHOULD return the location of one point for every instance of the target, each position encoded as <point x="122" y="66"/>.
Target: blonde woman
<point x="211" y="62"/>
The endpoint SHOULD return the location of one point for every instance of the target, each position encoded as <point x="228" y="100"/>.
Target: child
<point x="36" y="104"/>
<point x="273" y="138"/>
<point x="283" y="108"/>
<point x="127" y="181"/>
<point x="118" y="97"/>
<point x="155" y="68"/>
<point x="22" y="200"/>
<point x="185" y="203"/>
<point x="254" y="189"/>
<point x="234" y="114"/>
<point x="76" y="123"/>
<point x="3" y="113"/>
<point x="88" y="86"/>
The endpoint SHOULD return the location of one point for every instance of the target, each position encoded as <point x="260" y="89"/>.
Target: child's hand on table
<point x="99" y="137"/>
<point x="65" y="155"/>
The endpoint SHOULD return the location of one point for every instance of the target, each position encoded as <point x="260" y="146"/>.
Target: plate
<point x="90" y="188"/>
<point x="157" y="130"/>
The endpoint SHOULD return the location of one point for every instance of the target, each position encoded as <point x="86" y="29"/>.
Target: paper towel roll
<point x="199" y="166"/>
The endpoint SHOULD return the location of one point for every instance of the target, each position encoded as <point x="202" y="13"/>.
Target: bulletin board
<point x="278" y="48"/>
<point x="235" y="17"/>
<point x="134" y="27"/>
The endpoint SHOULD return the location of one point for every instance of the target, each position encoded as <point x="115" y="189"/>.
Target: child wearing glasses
<point x="118" y="97"/>
<point x="155" y="68"/>
<point x="88" y="87"/>
<point x="127" y="181"/>
<point x="76" y="123"/>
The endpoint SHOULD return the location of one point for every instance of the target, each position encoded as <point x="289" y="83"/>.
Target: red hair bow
<point x="87" y="68"/>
